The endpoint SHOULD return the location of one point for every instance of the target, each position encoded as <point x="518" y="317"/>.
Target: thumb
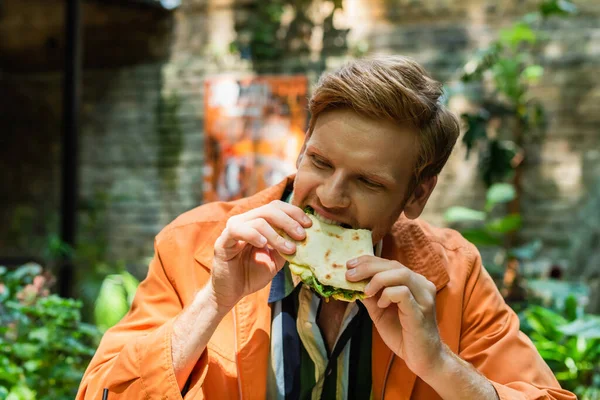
<point x="269" y="258"/>
<point x="370" y="304"/>
<point x="375" y="312"/>
<point x="279" y="260"/>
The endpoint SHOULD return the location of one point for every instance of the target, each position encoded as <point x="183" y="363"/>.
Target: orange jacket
<point x="134" y="357"/>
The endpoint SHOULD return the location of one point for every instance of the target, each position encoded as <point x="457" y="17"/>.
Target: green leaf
<point x="588" y="328"/>
<point x="557" y="7"/>
<point x="495" y="161"/>
<point x="506" y="224"/>
<point x="463" y="214"/>
<point x="519" y="33"/>
<point x="25" y="351"/>
<point x="111" y="304"/>
<point x="483" y="61"/>
<point x="32" y="365"/>
<point x="527" y="251"/>
<point x="21" y="392"/>
<point x="557" y="291"/>
<point x="545" y="322"/>
<point x="532" y="73"/>
<point x="481" y="237"/>
<point x="476" y="129"/>
<point x="570" y="308"/>
<point x="507" y="73"/>
<point x="499" y="193"/>
<point x="39" y="334"/>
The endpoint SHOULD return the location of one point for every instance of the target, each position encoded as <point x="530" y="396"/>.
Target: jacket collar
<point x="406" y="242"/>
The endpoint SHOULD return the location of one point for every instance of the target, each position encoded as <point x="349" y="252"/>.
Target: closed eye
<point x="370" y="183"/>
<point x="320" y="163"/>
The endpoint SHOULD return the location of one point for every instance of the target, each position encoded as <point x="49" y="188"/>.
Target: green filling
<point x="309" y="210"/>
<point x="326" y="290"/>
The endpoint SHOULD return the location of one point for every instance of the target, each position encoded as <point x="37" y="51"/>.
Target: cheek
<point x="304" y="184"/>
<point x="380" y="216"/>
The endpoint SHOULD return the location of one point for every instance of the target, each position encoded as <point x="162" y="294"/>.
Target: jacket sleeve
<point x="134" y="357"/>
<point x="492" y="342"/>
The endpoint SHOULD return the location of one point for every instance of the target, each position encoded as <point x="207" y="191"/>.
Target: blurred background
<point x="118" y="115"/>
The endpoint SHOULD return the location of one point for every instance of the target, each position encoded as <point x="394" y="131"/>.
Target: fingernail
<point x="353" y="262"/>
<point x="351" y="272"/>
<point x="367" y="288"/>
<point x="289" y="245"/>
<point x="300" y="230"/>
<point x="262" y="240"/>
<point x="306" y="219"/>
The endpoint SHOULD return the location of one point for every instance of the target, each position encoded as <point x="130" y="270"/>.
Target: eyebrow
<point x="382" y="178"/>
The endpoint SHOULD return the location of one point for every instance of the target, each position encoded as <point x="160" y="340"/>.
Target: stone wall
<point x="142" y="111"/>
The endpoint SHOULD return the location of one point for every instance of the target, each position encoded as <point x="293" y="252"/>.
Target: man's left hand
<point x="402" y="307"/>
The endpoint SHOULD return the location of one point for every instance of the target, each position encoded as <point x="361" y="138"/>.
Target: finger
<point x="227" y="253"/>
<point x="277" y="217"/>
<point x="284" y="222"/>
<point x="273" y="238"/>
<point x="232" y="235"/>
<point x="295" y="213"/>
<point x="365" y="267"/>
<point x="400" y="295"/>
<point x="418" y="285"/>
<point x="266" y="257"/>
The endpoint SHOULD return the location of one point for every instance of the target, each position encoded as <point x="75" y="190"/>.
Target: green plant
<point x="485" y="228"/>
<point x="266" y="39"/>
<point x="570" y="343"/>
<point x="481" y="227"/>
<point x="508" y="116"/>
<point x="507" y="119"/>
<point x="44" y="346"/>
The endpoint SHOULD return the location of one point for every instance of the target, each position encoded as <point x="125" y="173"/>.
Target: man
<point x="220" y="316"/>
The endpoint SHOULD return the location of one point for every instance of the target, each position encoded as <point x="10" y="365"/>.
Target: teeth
<point x="326" y="220"/>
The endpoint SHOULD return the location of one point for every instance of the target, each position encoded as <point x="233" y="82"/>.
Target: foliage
<point x="483" y="228"/>
<point x="115" y="298"/>
<point x="266" y="38"/>
<point x="44" y="346"/>
<point x="570" y="343"/>
<point x="508" y="117"/>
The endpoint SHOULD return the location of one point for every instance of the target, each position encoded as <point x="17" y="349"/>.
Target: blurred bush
<point x="569" y="341"/>
<point x="44" y="345"/>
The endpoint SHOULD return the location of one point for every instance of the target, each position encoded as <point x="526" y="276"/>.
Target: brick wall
<point x="142" y="111"/>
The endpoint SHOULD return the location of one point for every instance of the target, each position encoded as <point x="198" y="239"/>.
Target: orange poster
<point x="254" y="128"/>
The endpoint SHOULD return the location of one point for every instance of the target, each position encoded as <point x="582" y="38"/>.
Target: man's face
<point x="357" y="171"/>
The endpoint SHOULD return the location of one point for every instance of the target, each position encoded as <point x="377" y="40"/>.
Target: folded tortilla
<point x="320" y="259"/>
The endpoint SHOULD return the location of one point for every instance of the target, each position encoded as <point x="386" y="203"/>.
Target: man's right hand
<point x="246" y="254"/>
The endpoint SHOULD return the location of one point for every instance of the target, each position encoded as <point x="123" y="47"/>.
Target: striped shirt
<point x="301" y="366"/>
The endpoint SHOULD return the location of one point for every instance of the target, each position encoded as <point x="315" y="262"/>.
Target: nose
<point x="333" y="192"/>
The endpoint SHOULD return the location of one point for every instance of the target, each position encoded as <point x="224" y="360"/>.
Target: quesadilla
<point x="320" y="259"/>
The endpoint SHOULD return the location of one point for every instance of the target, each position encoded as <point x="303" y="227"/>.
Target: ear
<point x="418" y="198"/>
